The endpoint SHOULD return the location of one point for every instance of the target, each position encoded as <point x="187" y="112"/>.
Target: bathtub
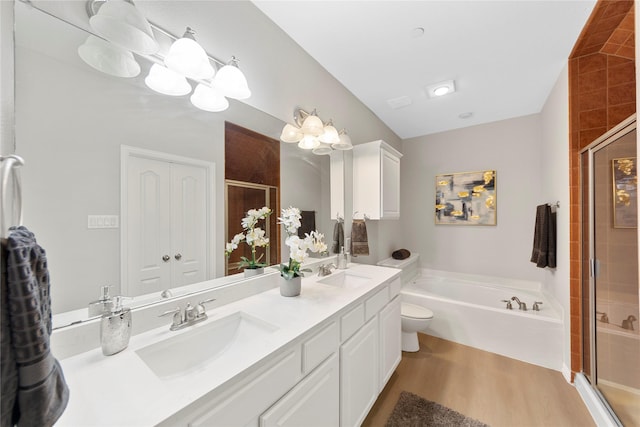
<point x="468" y="309"/>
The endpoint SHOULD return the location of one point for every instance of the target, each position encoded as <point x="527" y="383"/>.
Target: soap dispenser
<point x="115" y="328"/>
<point x="103" y="305"/>
<point x="342" y="259"/>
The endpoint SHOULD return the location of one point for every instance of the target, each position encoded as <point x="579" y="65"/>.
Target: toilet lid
<point x="415" y="311"/>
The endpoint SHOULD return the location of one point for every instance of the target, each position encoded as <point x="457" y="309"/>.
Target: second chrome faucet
<point x="190" y="316"/>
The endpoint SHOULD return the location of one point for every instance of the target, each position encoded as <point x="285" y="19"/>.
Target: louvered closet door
<point x="149" y="223"/>
<point x="189" y="224"/>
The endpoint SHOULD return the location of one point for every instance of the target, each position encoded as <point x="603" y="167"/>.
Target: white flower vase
<point x="290" y="287"/>
<point x="250" y="272"/>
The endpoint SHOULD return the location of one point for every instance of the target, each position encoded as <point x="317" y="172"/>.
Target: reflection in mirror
<point x="71" y="124"/>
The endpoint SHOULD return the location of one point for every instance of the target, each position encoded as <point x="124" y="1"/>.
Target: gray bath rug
<point x="414" y="411"/>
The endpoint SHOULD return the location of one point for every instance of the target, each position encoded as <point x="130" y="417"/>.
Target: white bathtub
<point x="468" y="310"/>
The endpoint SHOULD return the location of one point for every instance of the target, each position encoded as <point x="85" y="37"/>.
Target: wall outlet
<point x="103" y="221"/>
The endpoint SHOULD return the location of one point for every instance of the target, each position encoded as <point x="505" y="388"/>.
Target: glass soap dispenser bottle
<point x="115" y="328"/>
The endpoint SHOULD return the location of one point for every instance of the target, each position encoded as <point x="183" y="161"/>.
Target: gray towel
<point x="338" y="237"/>
<point x="544" y="238"/>
<point x="42" y="394"/>
<point x="359" y="240"/>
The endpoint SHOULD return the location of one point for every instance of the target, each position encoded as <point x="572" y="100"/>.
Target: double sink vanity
<point x="260" y="359"/>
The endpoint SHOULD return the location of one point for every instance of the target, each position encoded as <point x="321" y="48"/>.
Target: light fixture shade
<point x="165" y="81"/>
<point x="208" y="99"/>
<point x="291" y="134"/>
<point x="121" y="23"/>
<point x="188" y="58"/>
<point x="108" y="58"/>
<point x="312" y="125"/>
<point x="330" y="135"/>
<point x="345" y="142"/>
<point x="231" y="82"/>
<point x="309" y="142"/>
<point x="322" y="149"/>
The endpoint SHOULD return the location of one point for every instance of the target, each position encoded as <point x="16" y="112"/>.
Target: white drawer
<point x="319" y="347"/>
<point x="351" y="322"/>
<point x="394" y="287"/>
<point x="375" y="303"/>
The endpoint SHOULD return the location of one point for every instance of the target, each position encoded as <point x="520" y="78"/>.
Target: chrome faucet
<point x="536" y="305"/>
<point x="603" y="318"/>
<point x="522" y="306"/>
<point x="628" y="322"/>
<point x="509" y="305"/>
<point x="325" y="269"/>
<point x="190" y="316"/>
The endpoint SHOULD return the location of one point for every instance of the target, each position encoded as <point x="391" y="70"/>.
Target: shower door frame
<point x="625" y="127"/>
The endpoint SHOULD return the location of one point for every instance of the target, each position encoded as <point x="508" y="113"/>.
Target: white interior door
<point x="148" y="223"/>
<point x="189" y="224"/>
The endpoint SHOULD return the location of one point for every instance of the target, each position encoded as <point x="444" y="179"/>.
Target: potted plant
<point x="254" y="236"/>
<point x="291" y="273"/>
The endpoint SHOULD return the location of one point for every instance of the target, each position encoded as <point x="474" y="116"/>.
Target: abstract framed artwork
<point x="466" y="198"/>
<point x="625" y="192"/>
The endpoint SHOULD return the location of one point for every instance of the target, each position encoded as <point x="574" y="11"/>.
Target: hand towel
<point x="359" y="241"/>
<point x="544" y="238"/>
<point x="307" y="223"/>
<point x="42" y="393"/>
<point x="338" y="238"/>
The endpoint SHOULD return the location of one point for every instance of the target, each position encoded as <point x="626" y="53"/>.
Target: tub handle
<point x="536" y="305"/>
<point x="509" y="305"/>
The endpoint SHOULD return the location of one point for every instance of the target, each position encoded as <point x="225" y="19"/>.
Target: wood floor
<point x="496" y="390"/>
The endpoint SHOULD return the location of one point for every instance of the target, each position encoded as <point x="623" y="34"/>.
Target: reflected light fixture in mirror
<point x="208" y="99"/>
<point x="188" y="58"/>
<point x="121" y="23"/>
<point x="108" y="58"/>
<point x="166" y="81"/>
<point x="231" y="82"/>
<point x="312" y="134"/>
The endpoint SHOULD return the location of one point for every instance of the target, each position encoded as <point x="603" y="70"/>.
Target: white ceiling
<point x="504" y="56"/>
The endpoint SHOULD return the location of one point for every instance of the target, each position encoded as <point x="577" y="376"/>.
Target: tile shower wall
<point x="602" y="90"/>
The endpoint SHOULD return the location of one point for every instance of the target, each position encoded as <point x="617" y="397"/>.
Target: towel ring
<point x="364" y="216"/>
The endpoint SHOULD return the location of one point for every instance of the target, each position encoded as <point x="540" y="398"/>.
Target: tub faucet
<point x="522" y="306"/>
<point x="509" y="305"/>
<point x="628" y="322"/>
<point x="604" y="318"/>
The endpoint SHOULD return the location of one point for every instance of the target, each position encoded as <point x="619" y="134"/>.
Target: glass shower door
<point x="615" y="290"/>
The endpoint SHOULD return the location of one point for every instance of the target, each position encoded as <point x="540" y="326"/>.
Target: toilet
<point x="414" y="318"/>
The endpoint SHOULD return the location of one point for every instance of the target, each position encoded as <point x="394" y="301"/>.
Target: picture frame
<point x="466" y="198"/>
<point x="625" y="192"/>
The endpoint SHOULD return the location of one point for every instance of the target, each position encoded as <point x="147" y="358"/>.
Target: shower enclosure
<point x="610" y="290"/>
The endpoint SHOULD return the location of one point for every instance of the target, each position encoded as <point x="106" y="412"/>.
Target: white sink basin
<point x="344" y="279"/>
<point x="203" y="345"/>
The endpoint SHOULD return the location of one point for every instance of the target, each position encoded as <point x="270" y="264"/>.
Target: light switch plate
<point x="103" y="221"/>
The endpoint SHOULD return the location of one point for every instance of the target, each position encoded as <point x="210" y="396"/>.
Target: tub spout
<point x="521" y="305"/>
<point x="628" y="322"/>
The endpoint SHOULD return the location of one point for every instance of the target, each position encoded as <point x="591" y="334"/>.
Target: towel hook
<point x="364" y="216"/>
<point x="10" y="164"/>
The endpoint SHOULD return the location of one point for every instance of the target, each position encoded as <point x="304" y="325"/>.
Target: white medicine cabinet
<point x="376" y="180"/>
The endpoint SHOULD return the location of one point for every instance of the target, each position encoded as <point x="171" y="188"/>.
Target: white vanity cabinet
<point x="376" y="180"/>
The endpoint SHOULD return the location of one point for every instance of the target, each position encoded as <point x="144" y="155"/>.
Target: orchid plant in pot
<point x="255" y="237"/>
<point x="292" y="272"/>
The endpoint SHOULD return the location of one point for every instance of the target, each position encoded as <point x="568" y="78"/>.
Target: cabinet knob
<point x="166" y="258"/>
<point x="178" y="256"/>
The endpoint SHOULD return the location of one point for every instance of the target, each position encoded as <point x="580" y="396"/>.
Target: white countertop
<point x="122" y="390"/>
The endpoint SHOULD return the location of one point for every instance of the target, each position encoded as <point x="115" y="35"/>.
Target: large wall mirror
<point x="71" y="122"/>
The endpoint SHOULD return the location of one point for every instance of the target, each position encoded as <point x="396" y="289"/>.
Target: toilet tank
<point x="408" y="266"/>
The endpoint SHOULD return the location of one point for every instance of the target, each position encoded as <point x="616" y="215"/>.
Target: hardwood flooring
<point x="494" y="389"/>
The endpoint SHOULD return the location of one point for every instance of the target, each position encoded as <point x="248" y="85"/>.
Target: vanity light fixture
<point x="188" y="58"/>
<point x="312" y="134"/>
<point x="122" y="30"/>
<point x="440" y="89"/>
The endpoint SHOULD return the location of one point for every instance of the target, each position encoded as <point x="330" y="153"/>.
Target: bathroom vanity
<point x="321" y="358"/>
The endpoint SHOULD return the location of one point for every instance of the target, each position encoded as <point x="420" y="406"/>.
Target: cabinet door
<point x="313" y="402"/>
<point x="390" y="185"/>
<point x="390" y="340"/>
<point x="359" y="370"/>
<point x="148" y="223"/>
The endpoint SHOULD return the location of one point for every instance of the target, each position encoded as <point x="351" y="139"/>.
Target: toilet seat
<point x="415" y="311"/>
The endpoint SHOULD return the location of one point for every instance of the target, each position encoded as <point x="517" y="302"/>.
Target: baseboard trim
<point x="597" y="408"/>
<point x="566" y="373"/>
